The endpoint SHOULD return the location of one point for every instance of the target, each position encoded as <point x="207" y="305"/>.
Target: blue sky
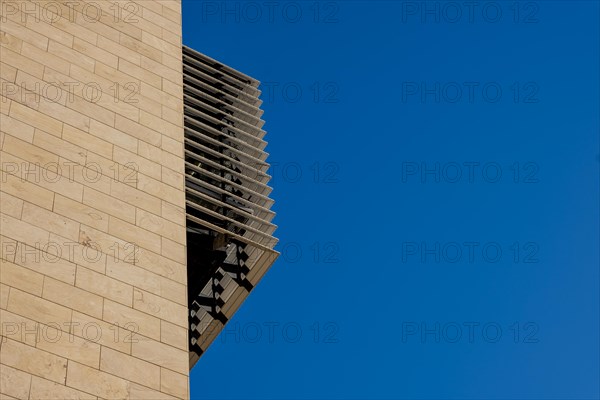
<point x="436" y="177"/>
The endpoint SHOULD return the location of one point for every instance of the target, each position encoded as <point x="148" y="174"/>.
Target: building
<point x="134" y="207"/>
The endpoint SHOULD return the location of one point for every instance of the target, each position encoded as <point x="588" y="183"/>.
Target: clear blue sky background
<point x="358" y="229"/>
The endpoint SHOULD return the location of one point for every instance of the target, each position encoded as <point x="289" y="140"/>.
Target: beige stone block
<point x="28" y="152"/>
<point x="138" y="131"/>
<point x="139" y="73"/>
<point x="148" y="151"/>
<point x="114" y="47"/>
<point x="160" y="190"/>
<point x="174" y="5"/>
<point x="17" y="128"/>
<point x="133" y="234"/>
<point x="161" y="265"/>
<point x="115" y="75"/>
<point x="69" y="184"/>
<point x="43" y="389"/>
<point x="160" y="97"/>
<point x="14" y="383"/>
<point x="152" y="5"/>
<point x="40" y="90"/>
<point x="73" y="56"/>
<point x="97" y="174"/>
<point x="37" y="309"/>
<point x="140" y="164"/>
<point x="146" y="280"/>
<point x="125" y="23"/>
<point x="80" y="212"/>
<point x="73" y="297"/>
<point x="102" y="30"/>
<point x="163" y="227"/>
<point x="108" y="88"/>
<point x="11" y="42"/>
<point x="93" y="110"/>
<point x="174" y="251"/>
<point x="108" y="244"/>
<point x="36" y="119"/>
<point x="95" y="52"/>
<point x="19" y="328"/>
<point x="158" y="67"/>
<point x="76" y="26"/>
<point x="46" y="365"/>
<point x="23" y="232"/>
<point x="69" y="346"/>
<point x="4" y="291"/>
<point x="22" y="63"/>
<point x="151" y="28"/>
<point x="173" y="146"/>
<point x="174" y="383"/>
<point x="172" y="38"/>
<point x="25" y="190"/>
<point x="135" y="197"/>
<point x="65" y="114"/>
<point x="8" y="248"/>
<point x="50" y="178"/>
<point x="109" y="205"/>
<point x="26" y="35"/>
<point x="5" y="105"/>
<point x="160" y="20"/>
<point x="21" y="278"/>
<point x="50" y="221"/>
<point x="175" y="90"/>
<point x="86" y="141"/>
<point x="173" y="213"/>
<point x="174" y="335"/>
<point x="47" y="261"/>
<point x="175" y="64"/>
<point x="173" y="178"/>
<point x="104" y="286"/>
<point x="8" y="73"/>
<point x="139" y="322"/>
<point x="48" y="30"/>
<point x="90" y="175"/>
<point x="51" y="60"/>
<point x="82" y="82"/>
<point x="114" y="136"/>
<point x="111" y="170"/>
<point x="160" y="307"/>
<point x="131" y="368"/>
<point x="21" y="94"/>
<point x="96" y="382"/>
<point x="139" y="392"/>
<point x="173" y="116"/>
<point x="125" y="101"/>
<point x="172" y="14"/>
<point x="139" y="47"/>
<point x="11" y="205"/>
<point x="161" y="354"/>
<point x="84" y="252"/>
<point x="160" y="125"/>
<point x="56" y="74"/>
<point x="174" y="162"/>
<point x="103" y="333"/>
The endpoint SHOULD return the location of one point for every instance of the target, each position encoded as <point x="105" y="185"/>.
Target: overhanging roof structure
<point x="229" y="228"/>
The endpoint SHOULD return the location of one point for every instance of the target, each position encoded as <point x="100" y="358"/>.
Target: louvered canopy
<point x="229" y="218"/>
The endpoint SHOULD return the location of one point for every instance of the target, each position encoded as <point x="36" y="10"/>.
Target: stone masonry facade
<point x="93" y="296"/>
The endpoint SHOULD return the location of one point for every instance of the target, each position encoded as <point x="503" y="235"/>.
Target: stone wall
<point x="93" y="242"/>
